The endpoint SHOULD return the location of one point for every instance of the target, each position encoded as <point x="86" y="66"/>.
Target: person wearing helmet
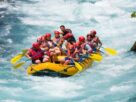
<point x="68" y="39"/>
<point x="72" y="54"/>
<point x="95" y="42"/>
<point x="53" y="49"/>
<point x="89" y="41"/>
<point x="85" y="49"/>
<point x="64" y="33"/>
<point x="57" y="40"/>
<point x="36" y="54"/>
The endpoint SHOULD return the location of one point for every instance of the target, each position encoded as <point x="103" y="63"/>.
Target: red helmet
<point x="81" y="38"/>
<point x="39" y="39"/>
<point x="56" y="32"/>
<point x="47" y="35"/>
<point x="36" y="45"/>
<point x="93" y="32"/>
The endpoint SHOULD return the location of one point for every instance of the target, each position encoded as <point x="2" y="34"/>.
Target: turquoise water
<point x="112" y="80"/>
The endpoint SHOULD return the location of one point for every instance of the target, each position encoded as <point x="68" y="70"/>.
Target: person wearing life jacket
<point x="65" y="31"/>
<point x="72" y="54"/>
<point x="96" y="43"/>
<point x="53" y="50"/>
<point x="85" y="49"/>
<point x="58" y="40"/>
<point x="45" y="47"/>
<point x="44" y="43"/>
<point x="89" y="41"/>
<point x="68" y="39"/>
<point x="36" y="54"/>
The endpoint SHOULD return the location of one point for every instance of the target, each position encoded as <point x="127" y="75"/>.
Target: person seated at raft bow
<point x="65" y="31"/>
<point x="36" y="54"/>
<point x="95" y="41"/>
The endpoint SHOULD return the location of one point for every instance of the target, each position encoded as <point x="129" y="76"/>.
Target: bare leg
<point x="37" y="61"/>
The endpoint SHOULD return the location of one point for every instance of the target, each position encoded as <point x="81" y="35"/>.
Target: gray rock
<point x="133" y="47"/>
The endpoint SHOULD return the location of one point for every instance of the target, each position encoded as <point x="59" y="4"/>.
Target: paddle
<point x="110" y="51"/>
<point x="18" y="57"/>
<point x="18" y="65"/>
<point x="78" y="66"/>
<point x="22" y="63"/>
<point x="96" y="57"/>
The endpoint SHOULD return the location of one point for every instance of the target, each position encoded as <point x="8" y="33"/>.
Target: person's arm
<point x="28" y="55"/>
<point x="99" y="44"/>
<point x="68" y="54"/>
<point x="60" y="42"/>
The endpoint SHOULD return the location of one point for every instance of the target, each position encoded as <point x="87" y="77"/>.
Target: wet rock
<point x="133" y="14"/>
<point x="133" y="47"/>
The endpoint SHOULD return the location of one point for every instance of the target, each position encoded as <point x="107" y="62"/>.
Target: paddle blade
<point x="16" y="58"/>
<point x="78" y="66"/>
<point x="18" y="65"/>
<point x="96" y="57"/>
<point x="111" y="51"/>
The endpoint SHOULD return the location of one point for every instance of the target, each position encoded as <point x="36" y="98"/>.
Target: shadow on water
<point x="132" y="99"/>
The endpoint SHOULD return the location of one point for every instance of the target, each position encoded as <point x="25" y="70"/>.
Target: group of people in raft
<point x="46" y="49"/>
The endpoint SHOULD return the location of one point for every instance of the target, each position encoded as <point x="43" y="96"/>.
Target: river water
<point x="111" y="80"/>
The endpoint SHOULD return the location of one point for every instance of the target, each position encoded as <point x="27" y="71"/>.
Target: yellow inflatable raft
<point x="53" y="69"/>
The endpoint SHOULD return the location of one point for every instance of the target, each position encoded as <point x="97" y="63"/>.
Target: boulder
<point x="133" y="47"/>
<point x="133" y="14"/>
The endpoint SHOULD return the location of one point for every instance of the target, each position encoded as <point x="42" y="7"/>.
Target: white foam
<point x="55" y="87"/>
<point x="3" y="81"/>
<point x="9" y="100"/>
<point x="121" y="88"/>
<point x="11" y="91"/>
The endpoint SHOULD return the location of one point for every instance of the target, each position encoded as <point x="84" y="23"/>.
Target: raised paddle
<point x="110" y="51"/>
<point x="18" y="57"/>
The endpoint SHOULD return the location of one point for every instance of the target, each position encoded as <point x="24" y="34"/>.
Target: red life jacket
<point x="36" y="54"/>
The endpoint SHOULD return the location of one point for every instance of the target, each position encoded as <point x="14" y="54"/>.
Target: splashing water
<point x="112" y="80"/>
